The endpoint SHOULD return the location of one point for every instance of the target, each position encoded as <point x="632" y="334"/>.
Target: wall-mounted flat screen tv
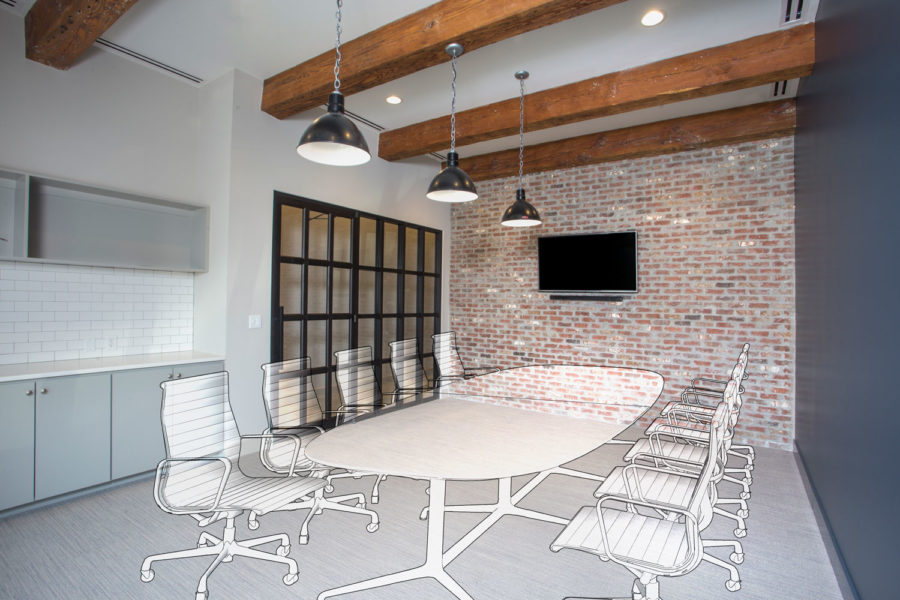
<point x="592" y="263"/>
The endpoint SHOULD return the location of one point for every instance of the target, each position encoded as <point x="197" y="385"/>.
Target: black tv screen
<point x="588" y="263"/>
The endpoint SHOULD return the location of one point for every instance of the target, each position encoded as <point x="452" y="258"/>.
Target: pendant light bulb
<point x="333" y="139"/>
<point x="520" y="213"/>
<point x="452" y="184"/>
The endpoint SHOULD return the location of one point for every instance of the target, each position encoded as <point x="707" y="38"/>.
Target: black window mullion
<point x="354" y="280"/>
<point x="420" y="290"/>
<point x="329" y="299"/>
<point x="401" y="282"/>
<point x="379" y="295"/>
<point x="304" y="286"/>
<point x="276" y="318"/>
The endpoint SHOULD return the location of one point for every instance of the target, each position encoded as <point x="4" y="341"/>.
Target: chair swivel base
<point x="225" y="549"/>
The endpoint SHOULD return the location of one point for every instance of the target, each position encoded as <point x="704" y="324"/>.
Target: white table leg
<point x="433" y="566"/>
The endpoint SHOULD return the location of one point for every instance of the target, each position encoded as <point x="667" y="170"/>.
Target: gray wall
<point x="848" y="261"/>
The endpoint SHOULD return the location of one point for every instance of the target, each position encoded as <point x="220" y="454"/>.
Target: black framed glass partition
<point x="342" y="279"/>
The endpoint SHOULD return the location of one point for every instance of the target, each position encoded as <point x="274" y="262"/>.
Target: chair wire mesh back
<point x="355" y="375"/>
<point x="446" y="355"/>
<point x="406" y="367"/>
<point x="197" y="423"/>
<point x="291" y="400"/>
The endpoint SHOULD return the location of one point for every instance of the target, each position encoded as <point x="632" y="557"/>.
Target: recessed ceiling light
<point x="393" y="99"/>
<point x="652" y="17"/>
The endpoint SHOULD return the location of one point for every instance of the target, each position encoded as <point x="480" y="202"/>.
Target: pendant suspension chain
<point x="337" y="48"/>
<point x="521" y="128"/>
<point x="453" y="105"/>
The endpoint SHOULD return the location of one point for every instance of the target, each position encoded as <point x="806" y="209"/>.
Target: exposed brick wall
<point x="716" y="269"/>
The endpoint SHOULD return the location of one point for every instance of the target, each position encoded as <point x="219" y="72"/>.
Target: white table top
<point x="453" y="438"/>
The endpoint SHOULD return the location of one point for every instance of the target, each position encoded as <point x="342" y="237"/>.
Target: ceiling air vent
<point x="798" y="11"/>
<point x="147" y="60"/>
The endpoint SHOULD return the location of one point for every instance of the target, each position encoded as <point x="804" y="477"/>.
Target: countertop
<point x="81" y="366"/>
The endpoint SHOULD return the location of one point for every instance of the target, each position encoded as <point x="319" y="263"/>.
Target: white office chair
<point x="650" y="537"/>
<point x="690" y="424"/>
<point x="449" y="364"/>
<point x="292" y="407"/>
<point x="201" y="476"/>
<point x="406" y="367"/>
<point x="679" y="454"/>
<point x="360" y="394"/>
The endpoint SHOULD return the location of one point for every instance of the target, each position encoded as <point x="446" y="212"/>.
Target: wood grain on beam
<point x="731" y="126"/>
<point x="57" y="33"/>
<point x="413" y="43"/>
<point x="785" y="54"/>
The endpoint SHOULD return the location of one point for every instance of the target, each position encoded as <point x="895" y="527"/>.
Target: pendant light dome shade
<point x="452" y="184"/>
<point x="520" y="213"/>
<point x="333" y="139"/>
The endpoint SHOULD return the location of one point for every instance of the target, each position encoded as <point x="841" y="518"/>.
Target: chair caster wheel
<point x="732" y="585"/>
<point x="743" y="513"/>
<point x="304" y="539"/>
<point x="147" y="576"/>
<point x="745" y="495"/>
<point x="290" y="578"/>
<point x="283" y="550"/>
<point x="604" y="558"/>
<point x="253" y="524"/>
<point x="372" y="527"/>
<point x="329" y="488"/>
<point x="740" y="532"/>
<point x="424" y="514"/>
<point x="737" y="557"/>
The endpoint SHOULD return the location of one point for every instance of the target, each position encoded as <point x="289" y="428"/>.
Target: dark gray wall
<point x="848" y="289"/>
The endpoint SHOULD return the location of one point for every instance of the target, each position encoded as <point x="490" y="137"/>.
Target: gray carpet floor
<point x="92" y="547"/>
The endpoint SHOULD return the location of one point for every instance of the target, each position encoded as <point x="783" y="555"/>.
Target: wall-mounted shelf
<point x="49" y="220"/>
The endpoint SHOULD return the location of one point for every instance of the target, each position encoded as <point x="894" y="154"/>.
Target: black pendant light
<point x="520" y="213"/>
<point x="333" y="139"/>
<point x="452" y="184"/>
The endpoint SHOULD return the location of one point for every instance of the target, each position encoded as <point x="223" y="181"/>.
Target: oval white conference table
<point x="465" y="437"/>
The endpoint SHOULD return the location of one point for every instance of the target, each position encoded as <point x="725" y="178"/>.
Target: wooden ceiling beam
<point x="784" y="54"/>
<point x="731" y="126"/>
<point x="413" y="43"/>
<point x="58" y="33"/>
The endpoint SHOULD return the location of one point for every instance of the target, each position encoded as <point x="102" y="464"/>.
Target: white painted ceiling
<point x="208" y="38"/>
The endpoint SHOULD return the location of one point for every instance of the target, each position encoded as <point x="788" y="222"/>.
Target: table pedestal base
<point x="435" y="558"/>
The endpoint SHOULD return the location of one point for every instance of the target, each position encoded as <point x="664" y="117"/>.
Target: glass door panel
<point x="318" y="235"/>
<point x="343" y="229"/>
<point x="391" y="238"/>
<point x="317" y="287"/>
<point x="340" y="286"/>
<point x="411" y="249"/>
<point x="291" y="231"/>
<point x="368" y="233"/>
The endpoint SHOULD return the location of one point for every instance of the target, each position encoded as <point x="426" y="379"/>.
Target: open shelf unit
<point x="49" y="220"/>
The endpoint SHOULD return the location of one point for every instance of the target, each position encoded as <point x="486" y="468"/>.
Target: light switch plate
<point x="254" y="321"/>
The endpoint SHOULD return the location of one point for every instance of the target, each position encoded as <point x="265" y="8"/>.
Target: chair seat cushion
<point x="689" y="452"/>
<point x="660" y="546"/>
<point x="669" y="488"/>
<point x="265" y="494"/>
<point x="688" y="408"/>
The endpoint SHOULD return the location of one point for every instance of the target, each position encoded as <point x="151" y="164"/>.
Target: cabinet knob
<point x="43" y="390"/>
<point x="29" y="392"/>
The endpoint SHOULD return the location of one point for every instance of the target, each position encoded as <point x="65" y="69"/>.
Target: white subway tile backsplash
<point x="60" y="312"/>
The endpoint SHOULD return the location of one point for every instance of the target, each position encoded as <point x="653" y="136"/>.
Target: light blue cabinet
<point x="71" y="433"/>
<point x="16" y="443"/>
<point x="137" y="439"/>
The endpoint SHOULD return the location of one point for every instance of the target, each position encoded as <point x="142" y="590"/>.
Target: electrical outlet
<point x="254" y="321"/>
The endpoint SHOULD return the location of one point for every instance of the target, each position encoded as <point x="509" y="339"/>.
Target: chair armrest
<point x="705" y="384"/>
<point x="662" y="458"/>
<point x="162" y="477"/>
<point x="288" y="430"/>
<point x="680" y="433"/>
<point x="476" y="371"/>
<point x="272" y="437"/>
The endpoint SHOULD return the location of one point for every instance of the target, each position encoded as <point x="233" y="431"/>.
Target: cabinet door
<point x="137" y="439"/>
<point x="193" y="369"/>
<point x="16" y="443"/>
<point x="72" y="424"/>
